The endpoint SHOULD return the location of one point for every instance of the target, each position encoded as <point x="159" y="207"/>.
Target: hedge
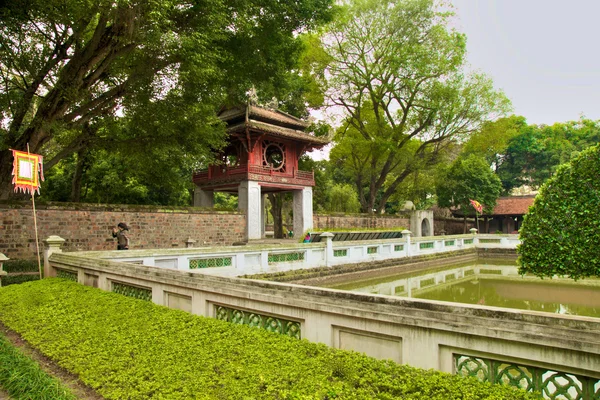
<point x="561" y="231"/>
<point x="22" y="378"/>
<point x="131" y="349"/>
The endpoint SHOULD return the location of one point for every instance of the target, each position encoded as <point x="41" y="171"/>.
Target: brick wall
<point x="321" y="221"/>
<point x="89" y="227"/>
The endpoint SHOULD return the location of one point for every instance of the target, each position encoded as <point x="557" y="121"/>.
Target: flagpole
<point x="37" y="244"/>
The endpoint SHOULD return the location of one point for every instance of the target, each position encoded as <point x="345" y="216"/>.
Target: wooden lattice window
<point x="273" y="155"/>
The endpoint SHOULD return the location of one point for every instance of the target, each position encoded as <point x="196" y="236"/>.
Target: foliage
<point x="127" y="348"/>
<point x="560" y="232"/>
<point x="492" y="140"/>
<point x="533" y="155"/>
<point x="323" y="181"/>
<point x="468" y="179"/>
<point x="225" y="202"/>
<point x="22" y="378"/>
<point x="395" y="71"/>
<point x="17" y="279"/>
<point x="343" y="198"/>
<point x="129" y="75"/>
<point x="20" y="266"/>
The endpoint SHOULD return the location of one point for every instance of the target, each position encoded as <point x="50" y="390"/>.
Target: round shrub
<point x="561" y="233"/>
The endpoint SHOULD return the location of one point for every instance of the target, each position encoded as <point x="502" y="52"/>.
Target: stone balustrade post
<point x="329" y="247"/>
<point x="406" y="234"/>
<point x="190" y="243"/>
<point x="51" y="245"/>
<point x="474" y="233"/>
<point x="2" y="271"/>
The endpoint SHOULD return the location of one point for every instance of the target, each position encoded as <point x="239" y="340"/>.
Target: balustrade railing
<point x="223" y="171"/>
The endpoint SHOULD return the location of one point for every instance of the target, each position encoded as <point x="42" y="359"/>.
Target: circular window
<point x="274" y="156"/>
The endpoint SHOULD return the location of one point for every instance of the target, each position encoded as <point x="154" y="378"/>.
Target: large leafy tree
<point x="395" y="70"/>
<point x="67" y="67"/>
<point x="534" y="154"/>
<point x="468" y="179"/>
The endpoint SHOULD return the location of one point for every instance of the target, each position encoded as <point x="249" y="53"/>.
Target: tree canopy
<point x="560" y="232"/>
<point x="79" y="74"/>
<point x="396" y="71"/>
<point x="468" y="179"/>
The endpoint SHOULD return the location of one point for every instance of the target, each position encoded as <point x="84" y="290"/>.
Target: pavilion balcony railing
<point x="226" y="171"/>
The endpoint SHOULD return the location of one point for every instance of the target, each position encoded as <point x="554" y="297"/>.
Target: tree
<point x="396" y="72"/>
<point x="468" y="179"/>
<point x="68" y="65"/>
<point x="343" y="198"/>
<point x="492" y="140"/>
<point x="533" y="155"/>
<point x="560" y="233"/>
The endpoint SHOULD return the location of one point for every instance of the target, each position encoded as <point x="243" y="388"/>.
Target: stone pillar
<point x="329" y="250"/>
<point x="2" y="272"/>
<point x="204" y="198"/>
<point x="264" y="215"/>
<point x="406" y="234"/>
<point x="473" y="231"/>
<point x="190" y="243"/>
<point x="52" y="245"/>
<point x="303" y="211"/>
<point x="249" y="200"/>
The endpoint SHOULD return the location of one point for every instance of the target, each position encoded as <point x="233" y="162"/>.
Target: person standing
<point x="120" y="233"/>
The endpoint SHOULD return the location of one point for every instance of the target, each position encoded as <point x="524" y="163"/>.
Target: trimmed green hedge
<point x="561" y="231"/>
<point x="131" y="349"/>
<point x="20" y="266"/>
<point x="22" y="378"/>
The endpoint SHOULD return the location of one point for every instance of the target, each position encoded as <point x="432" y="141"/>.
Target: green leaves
<point x="560" y="233"/>
<point x="468" y="178"/>
<point x="131" y="349"/>
<point x="23" y="378"/>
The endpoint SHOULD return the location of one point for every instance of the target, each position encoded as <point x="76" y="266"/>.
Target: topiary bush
<point x="561" y="233"/>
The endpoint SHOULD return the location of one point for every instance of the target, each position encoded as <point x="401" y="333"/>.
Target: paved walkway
<point x="4" y="395"/>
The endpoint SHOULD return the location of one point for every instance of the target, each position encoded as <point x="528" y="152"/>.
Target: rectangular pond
<point x="491" y="283"/>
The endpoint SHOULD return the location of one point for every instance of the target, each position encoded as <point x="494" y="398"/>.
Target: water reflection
<point x="493" y="285"/>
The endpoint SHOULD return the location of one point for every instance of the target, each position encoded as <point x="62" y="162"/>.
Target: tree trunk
<point x="276" y="200"/>
<point x="465" y="224"/>
<point x="5" y="175"/>
<point x="78" y="176"/>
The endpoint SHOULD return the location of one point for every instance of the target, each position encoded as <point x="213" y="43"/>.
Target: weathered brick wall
<point x="366" y="221"/>
<point x="89" y="227"/>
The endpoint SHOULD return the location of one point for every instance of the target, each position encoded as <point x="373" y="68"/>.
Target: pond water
<point x="490" y="284"/>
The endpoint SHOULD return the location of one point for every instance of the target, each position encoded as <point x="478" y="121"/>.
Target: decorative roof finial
<point x="252" y="96"/>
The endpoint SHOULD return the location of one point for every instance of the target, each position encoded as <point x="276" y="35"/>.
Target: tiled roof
<point x="260" y="113"/>
<point x="280" y="131"/>
<point x="513" y="205"/>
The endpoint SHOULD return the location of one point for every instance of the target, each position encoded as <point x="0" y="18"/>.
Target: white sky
<point x="544" y="55"/>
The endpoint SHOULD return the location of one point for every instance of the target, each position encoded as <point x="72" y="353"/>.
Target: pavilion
<point x="261" y="156"/>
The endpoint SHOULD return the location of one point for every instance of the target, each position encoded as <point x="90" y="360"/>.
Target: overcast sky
<point x="544" y="54"/>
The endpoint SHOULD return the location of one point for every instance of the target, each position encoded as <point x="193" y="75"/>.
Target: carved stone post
<point x="406" y="234"/>
<point x="329" y="250"/>
<point x="2" y="272"/>
<point x="52" y="245"/>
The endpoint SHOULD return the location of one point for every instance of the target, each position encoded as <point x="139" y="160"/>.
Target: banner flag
<point x="477" y="206"/>
<point x="28" y="170"/>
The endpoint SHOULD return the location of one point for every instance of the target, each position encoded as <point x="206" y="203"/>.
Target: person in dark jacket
<point x="120" y="233"/>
